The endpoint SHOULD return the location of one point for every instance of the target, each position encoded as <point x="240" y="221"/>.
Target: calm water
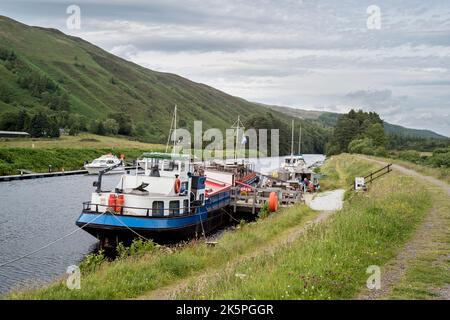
<point x="36" y="212"/>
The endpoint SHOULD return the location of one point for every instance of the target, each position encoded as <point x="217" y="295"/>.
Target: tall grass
<point x="331" y="260"/>
<point x="135" y="275"/>
<point x="328" y="262"/>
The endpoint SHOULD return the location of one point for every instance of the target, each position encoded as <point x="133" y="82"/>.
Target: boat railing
<point x="88" y="206"/>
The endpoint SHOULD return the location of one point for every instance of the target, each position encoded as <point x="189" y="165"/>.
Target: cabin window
<point x="184" y="188"/>
<point x="158" y="208"/>
<point x="185" y="206"/>
<point x="174" y="207"/>
<point x="202" y="198"/>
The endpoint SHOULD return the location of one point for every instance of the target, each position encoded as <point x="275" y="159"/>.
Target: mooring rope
<point x="230" y="215"/>
<point x="203" y="229"/>
<point x="136" y="233"/>
<point x="49" y="244"/>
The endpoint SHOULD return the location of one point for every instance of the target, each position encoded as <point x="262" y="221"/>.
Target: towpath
<point x="427" y="244"/>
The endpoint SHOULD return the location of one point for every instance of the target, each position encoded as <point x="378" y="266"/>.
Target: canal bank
<point x="46" y="209"/>
<point x="328" y="262"/>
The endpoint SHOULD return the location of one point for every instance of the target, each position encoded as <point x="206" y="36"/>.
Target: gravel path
<point x="421" y="242"/>
<point x="327" y="201"/>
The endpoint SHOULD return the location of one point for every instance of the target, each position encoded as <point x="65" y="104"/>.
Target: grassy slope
<point x="330" y="261"/>
<point x="67" y="152"/>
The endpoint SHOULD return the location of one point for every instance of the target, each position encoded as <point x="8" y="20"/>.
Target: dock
<point x="252" y="200"/>
<point x="27" y="175"/>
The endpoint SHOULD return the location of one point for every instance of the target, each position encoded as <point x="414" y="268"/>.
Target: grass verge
<point x="340" y="171"/>
<point x="135" y="275"/>
<point x="331" y="260"/>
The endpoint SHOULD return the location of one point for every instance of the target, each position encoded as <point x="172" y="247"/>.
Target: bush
<point x="137" y="248"/>
<point x="410" y="155"/>
<point x="364" y="146"/>
<point x="440" y="158"/>
<point x="381" y="152"/>
<point x="92" y="262"/>
<point x="264" y="212"/>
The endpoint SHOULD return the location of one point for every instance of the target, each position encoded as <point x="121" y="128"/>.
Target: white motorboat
<point x="105" y="162"/>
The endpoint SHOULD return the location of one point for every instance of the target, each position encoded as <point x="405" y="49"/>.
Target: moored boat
<point x="105" y="162"/>
<point x="169" y="201"/>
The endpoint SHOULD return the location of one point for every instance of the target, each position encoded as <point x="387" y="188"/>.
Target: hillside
<point x="45" y="68"/>
<point x="329" y="119"/>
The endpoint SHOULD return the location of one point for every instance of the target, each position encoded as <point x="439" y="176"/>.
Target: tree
<point x="124" y="121"/>
<point x="376" y="133"/>
<point x="8" y="121"/>
<point x="357" y="125"/>
<point x="101" y="128"/>
<point x="5" y="94"/>
<point x="39" y="125"/>
<point x="23" y="120"/>
<point x="111" y="126"/>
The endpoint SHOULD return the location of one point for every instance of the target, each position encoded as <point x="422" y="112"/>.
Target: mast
<point x="300" y="141"/>
<point x="237" y="125"/>
<point x="173" y="128"/>
<point x="292" y="139"/>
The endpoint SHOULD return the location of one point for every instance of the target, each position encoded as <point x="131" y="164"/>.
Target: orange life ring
<point x="273" y="202"/>
<point x="177" y="185"/>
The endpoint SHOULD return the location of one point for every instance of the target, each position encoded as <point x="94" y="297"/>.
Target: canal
<point x="37" y="212"/>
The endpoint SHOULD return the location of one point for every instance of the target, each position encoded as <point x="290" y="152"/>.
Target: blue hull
<point x="123" y="228"/>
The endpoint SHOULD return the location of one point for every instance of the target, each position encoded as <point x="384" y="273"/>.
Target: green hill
<point x="45" y="68"/>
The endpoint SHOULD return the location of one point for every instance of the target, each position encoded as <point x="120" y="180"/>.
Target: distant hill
<point x="329" y="119"/>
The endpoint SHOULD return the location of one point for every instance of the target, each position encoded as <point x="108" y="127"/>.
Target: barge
<point x="171" y="200"/>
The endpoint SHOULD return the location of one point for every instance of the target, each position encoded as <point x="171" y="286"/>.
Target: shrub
<point x="137" y="248"/>
<point x="264" y="212"/>
<point x="440" y="158"/>
<point x="364" y="146"/>
<point x="92" y="261"/>
<point x="410" y="155"/>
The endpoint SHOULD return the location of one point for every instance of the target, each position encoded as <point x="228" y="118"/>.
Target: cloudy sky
<point x="314" y="54"/>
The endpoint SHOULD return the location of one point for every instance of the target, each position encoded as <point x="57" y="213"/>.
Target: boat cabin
<point x="167" y="187"/>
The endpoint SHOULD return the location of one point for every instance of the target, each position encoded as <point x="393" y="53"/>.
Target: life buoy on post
<point x="273" y="202"/>
<point x="177" y="185"/>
